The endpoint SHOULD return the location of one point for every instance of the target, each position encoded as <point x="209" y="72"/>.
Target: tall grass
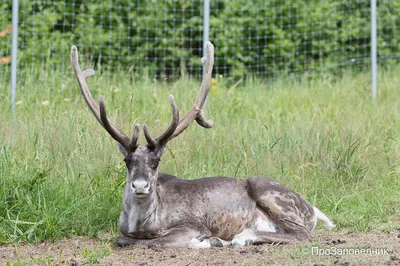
<point x="62" y="175"/>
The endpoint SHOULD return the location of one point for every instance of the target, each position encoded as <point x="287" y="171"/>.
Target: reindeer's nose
<point x="140" y="184"/>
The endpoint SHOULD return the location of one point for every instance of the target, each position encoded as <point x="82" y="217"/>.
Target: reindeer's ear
<point x="122" y="149"/>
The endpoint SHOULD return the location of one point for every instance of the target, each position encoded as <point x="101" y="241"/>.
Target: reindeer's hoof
<point x="204" y="241"/>
<point x="201" y="241"/>
<point x="215" y="242"/>
<point x="201" y="237"/>
<point x="123" y="241"/>
<point x="245" y="238"/>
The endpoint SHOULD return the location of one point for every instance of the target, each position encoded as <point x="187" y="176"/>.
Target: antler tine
<point x="81" y="77"/>
<point x="99" y="113"/>
<point x="196" y="113"/>
<point x="202" y="121"/>
<point x="151" y="143"/>
<point x="133" y="143"/>
<point x="163" y="138"/>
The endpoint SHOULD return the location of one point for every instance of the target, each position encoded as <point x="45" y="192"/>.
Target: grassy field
<point x="61" y="175"/>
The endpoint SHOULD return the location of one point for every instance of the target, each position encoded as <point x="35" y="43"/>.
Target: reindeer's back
<point x="220" y="205"/>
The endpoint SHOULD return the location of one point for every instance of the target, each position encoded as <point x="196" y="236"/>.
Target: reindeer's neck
<point x="140" y="211"/>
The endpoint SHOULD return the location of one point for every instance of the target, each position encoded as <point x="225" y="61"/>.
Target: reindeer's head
<point x="142" y="161"/>
<point x="142" y="170"/>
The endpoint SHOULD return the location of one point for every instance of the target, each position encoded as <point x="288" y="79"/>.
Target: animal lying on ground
<point x="163" y="210"/>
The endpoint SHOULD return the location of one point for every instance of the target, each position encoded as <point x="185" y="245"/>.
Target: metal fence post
<point x="206" y="30"/>
<point x="14" y="49"/>
<point x="374" y="60"/>
<point x="206" y="24"/>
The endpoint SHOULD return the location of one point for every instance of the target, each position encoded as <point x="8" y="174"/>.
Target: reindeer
<point x="166" y="211"/>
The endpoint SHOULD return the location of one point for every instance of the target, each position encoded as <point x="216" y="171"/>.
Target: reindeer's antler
<point x="176" y="127"/>
<point x="196" y="113"/>
<point x="100" y="113"/>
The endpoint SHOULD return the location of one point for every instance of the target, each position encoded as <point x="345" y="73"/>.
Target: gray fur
<point x="176" y="212"/>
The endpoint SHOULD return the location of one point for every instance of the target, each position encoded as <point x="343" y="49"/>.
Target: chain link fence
<point x="163" y="39"/>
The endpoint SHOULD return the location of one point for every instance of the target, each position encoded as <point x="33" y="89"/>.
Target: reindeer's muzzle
<point x="140" y="188"/>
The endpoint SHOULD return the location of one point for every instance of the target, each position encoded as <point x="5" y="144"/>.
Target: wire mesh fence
<point x="163" y="39"/>
<point x="388" y="26"/>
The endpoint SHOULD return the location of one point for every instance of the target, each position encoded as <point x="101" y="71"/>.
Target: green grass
<point x="62" y="175"/>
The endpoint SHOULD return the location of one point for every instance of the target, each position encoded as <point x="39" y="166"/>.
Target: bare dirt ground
<point x="345" y="249"/>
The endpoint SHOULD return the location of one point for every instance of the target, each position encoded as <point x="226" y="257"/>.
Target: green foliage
<point x="251" y="37"/>
<point x="62" y="175"/>
<point x="94" y="256"/>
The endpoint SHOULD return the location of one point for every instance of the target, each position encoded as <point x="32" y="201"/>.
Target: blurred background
<point x="163" y="39"/>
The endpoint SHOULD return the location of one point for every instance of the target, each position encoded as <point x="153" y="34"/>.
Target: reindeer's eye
<point x="155" y="163"/>
<point x="127" y="160"/>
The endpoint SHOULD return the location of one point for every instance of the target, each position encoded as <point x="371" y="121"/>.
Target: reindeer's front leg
<point x="123" y="223"/>
<point x="179" y="237"/>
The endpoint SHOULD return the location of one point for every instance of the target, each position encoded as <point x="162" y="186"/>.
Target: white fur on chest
<point x="133" y="217"/>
